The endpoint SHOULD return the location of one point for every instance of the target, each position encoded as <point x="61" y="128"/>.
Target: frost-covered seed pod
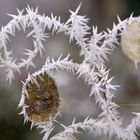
<point x="42" y="99"/>
<point x="130" y="40"/>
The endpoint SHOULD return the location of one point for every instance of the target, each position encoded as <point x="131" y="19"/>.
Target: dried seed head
<point x="130" y="40"/>
<point x="42" y="99"/>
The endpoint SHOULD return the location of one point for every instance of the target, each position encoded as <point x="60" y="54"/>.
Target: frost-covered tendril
<point x="38" y="24"/>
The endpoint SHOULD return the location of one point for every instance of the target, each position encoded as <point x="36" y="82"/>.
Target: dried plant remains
<point x="130" y="40"/>
<point x="42" y="100"/>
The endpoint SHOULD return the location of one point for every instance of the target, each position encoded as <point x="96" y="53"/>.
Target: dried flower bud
<point x="130" y="40"/>
<point x="42" y="99"/>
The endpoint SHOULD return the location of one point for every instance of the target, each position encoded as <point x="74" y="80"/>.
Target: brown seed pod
<point x="42" y="100"/>
<point x="130" y="40"/>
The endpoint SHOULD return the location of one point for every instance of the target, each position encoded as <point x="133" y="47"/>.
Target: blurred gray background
<point x="76" y="102"/>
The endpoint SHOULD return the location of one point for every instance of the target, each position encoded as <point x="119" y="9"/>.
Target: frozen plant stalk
<point x="40" y="102"/>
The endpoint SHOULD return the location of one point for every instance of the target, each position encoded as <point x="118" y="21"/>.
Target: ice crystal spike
<point x="43" y="98"/>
